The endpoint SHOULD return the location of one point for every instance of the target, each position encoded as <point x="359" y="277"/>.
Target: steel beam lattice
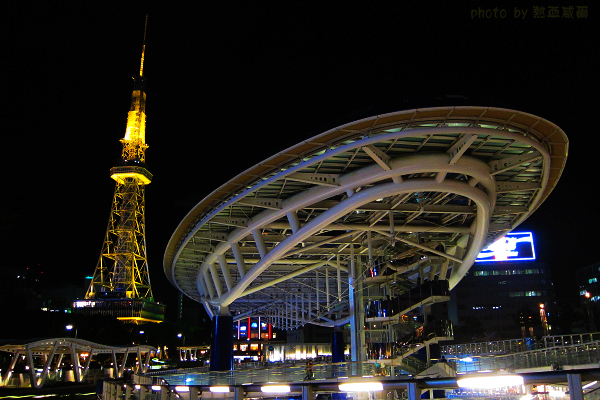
<point x="415" y="193"/>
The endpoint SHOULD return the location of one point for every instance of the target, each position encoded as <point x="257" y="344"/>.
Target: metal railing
<point x="292" y="373"/>
<point x="554" y="358"/>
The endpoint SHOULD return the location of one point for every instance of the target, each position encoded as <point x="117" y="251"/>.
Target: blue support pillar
<point x="221" y="350"/>
<point x="337" y="347"/>
<point x="337" y="355"/>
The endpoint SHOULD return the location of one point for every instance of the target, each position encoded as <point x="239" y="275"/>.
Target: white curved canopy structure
<point x="420" y="191"/>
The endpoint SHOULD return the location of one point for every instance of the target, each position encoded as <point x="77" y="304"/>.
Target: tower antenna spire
<point x="144" y="47"/>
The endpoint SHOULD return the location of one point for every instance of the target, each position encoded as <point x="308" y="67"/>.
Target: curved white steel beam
<point x="481" y="200"/>
<point x="429" y="146"/>
<point x="372" y="140"/>
<point x="418" y="163"/>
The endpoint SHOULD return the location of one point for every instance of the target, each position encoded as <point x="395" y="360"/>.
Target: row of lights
<point x="485" y="382"/>
<point x="345" y="387"/>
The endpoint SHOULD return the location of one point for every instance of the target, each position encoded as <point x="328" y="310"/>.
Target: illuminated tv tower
<point x="120" y="286"/>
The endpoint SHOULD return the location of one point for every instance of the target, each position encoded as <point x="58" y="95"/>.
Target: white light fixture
<point x="589" y="385"/>
<point x="156" y="387"/>
<point x="219" y="389"/>
<point x="490" y="382"/>
<point x="361" y="387"/>
<point x="137" y="387"/>
<point x="275" y="389"/>
<point x="182" y="388"/>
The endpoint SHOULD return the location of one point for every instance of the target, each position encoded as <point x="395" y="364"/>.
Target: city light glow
<point x="490" y="382"/>
<point x="361" y="387"/>
<point x="220" y="389"/>
<point x="275" y="389"/>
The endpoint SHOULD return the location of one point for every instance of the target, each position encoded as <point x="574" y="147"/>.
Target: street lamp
<point x="70" y="327"/>
<point x="181" y="335"/>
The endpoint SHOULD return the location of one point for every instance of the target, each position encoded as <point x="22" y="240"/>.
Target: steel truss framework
<point x="420" y="192"/>
<point x="50" y="353"/>
<point x="123" y="266"/>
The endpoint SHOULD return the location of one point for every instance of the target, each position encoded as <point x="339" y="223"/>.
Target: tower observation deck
<point x="120" y="286"/>
<point x="372" y="208"/>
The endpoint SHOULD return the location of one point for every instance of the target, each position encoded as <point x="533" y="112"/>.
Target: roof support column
<point x="208" y="284"/>
<point x="11" y="367"/>
<point x="139" y="360"/>
<point x="444" y="269"/>
<point x="260" y="242"/>
<point x="48" y="363"/>
<point x="225" y="270"/>
<point x="147" y="362"/>
<point x="58" y="362"/>
<point x="215" y="278"/>
<point x="32" y="377"/>
<point x="355" y="300"/>
<point x="433" y="269"/>
<point x="293" y="220"/>
<point x="75" y="362"/>
<point x="239" y="258"/>
<point x="115" y="365"/>
<point x="200" y="283"/>
<point x="125" y="356"/>
<point x="87" y="363"/>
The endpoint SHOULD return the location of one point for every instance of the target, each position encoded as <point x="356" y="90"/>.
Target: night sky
<point x="232" y="83"/>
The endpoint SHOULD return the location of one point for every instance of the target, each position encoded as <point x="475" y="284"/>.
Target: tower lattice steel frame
<point x="120" y="286"/>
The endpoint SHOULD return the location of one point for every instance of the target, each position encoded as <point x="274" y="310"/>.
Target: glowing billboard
<point x="515" y="246"/>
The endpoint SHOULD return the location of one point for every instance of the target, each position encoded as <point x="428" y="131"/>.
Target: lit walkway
<point x="550" y="353"/>
<point x="368" y="386"/>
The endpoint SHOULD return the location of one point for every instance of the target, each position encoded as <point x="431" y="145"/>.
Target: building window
<point x="533" y="293"/>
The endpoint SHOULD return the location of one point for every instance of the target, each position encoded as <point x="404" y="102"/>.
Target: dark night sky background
<point x="231" y="83"/>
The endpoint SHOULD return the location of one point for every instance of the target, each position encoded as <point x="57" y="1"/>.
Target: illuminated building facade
<point x="506" y="293"/>
<point x="120" y="286"/>
<point x="252" y="338"/>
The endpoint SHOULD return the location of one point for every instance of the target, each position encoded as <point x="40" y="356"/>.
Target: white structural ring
<point x="421" y="191"/>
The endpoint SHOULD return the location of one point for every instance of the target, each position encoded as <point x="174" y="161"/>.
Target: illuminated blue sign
<point x="515" y="246"/>
<point x="254" y="325"/>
